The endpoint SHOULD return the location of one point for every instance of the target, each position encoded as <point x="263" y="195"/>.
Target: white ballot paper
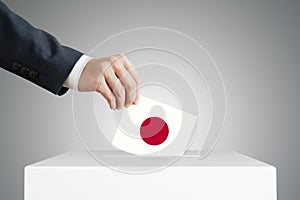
<point x="180" y="125"/>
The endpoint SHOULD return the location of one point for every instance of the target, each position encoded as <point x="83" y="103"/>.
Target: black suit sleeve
<point x="34" y="54"/>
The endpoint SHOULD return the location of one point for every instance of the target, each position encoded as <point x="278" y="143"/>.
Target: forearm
<point x="34" y="54"/>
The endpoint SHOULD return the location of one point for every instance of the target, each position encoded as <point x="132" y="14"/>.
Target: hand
<point x="114" y="78"/>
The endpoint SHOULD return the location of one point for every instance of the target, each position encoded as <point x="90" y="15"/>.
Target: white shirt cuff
<point x="73" y="78"/>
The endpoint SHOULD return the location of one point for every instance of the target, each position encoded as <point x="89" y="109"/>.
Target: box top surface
<point x="190" y="159"/>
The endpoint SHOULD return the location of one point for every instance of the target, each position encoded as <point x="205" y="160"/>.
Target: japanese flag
<point x="154" y="128"/>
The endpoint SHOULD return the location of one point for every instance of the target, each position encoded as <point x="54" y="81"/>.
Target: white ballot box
<point x="222" y="175"/>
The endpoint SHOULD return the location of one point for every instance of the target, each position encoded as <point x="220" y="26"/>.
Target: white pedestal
<point x="223" y="175"/>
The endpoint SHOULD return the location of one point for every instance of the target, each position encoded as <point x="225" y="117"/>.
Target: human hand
<point x="114" y="78"/>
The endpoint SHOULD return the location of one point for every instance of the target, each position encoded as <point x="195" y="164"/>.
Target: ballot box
<point x="222" y="175"/>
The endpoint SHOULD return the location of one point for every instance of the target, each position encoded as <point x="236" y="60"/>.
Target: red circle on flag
<point x="154" y="130"/>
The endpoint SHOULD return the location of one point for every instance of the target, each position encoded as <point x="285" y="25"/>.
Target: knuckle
<point x="119" y="92"/>
<point x="108" y="71"/>
<point x="121" y="55"/>
<point x="118" y="58"/>
<point x="111" y="59"/>
<point x="122" y="58"/>
<point x="131" y="86"/>
<point x="111" y="99"/>
<point x="119" y="70"/>
<point x="105" y="65"/>
<point x="117" y="66"/>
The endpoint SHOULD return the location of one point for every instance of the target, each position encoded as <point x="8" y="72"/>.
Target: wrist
<point x="73" y="79"/>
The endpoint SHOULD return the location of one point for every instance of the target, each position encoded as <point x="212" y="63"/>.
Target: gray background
<point x="255" y="43"/>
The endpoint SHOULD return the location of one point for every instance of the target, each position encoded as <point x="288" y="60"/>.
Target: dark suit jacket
<point x="34" y="54"/>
